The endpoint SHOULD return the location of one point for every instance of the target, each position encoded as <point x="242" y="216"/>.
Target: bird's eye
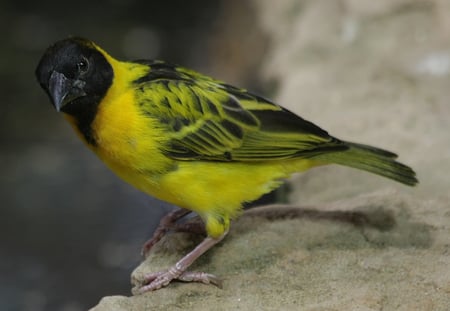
<point x="83" y="66"/>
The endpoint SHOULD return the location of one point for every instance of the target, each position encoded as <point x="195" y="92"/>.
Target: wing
<point x="206" y="119"/>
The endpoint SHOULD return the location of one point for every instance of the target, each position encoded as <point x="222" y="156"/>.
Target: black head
<point x="76" y="75"/>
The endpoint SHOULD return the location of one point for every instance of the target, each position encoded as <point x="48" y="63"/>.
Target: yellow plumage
<point x="188" y="139"/>
<point x="129" y="144"/>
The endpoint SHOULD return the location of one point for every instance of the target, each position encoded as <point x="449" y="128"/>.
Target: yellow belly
<point x="214" y="190"/>
<point x="129" y="144"/>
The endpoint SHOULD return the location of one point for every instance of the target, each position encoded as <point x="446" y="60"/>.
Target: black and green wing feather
<point x="210" y="120"/>
<point x="206" y="119"/>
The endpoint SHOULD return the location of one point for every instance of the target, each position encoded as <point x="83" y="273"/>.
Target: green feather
<point x="209" y="120"/>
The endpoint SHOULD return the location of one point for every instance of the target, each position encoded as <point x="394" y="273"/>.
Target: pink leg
<point x="157" y="280"/>
<point x="192" y="226"/>
<point x="166" y="223"/>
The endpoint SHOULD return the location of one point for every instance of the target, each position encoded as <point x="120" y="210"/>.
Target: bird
<point x="198" y="143"/>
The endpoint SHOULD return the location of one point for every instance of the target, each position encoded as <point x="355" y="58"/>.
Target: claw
<point x="161" y="279"/>
<point x="201" y="277"/>
<point x="154" y="281"/>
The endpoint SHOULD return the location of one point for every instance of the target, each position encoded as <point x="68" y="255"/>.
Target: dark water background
<point x="70" y="231"/>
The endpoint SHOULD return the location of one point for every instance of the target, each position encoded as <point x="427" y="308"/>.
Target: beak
<point x="63" y="90"/>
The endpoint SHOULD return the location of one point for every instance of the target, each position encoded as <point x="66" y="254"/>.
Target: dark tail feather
<point x="374" y="160"/>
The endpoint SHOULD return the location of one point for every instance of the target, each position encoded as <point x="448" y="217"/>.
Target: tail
<point x="374" y="160"/>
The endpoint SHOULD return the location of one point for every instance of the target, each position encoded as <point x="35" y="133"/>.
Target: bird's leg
<point x="195" y="226"/>
<point x="154" y="281"/>
<point x="166" y="223"/>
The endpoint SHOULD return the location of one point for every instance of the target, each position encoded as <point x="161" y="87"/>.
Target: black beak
<point x="63" y="90"/>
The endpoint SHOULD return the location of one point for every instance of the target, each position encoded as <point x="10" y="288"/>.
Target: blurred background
<point x="71" y="231"/>
<point x="370" y="71"/>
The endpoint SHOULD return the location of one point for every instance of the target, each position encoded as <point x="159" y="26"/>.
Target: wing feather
<point x="206" y="119"/>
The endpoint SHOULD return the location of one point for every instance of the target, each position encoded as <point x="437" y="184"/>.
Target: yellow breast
<point x="129" y="142"/>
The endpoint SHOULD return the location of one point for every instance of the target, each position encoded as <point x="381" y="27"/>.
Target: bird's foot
<point x="154" y="281"/>
<point x="157" y="280"/>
